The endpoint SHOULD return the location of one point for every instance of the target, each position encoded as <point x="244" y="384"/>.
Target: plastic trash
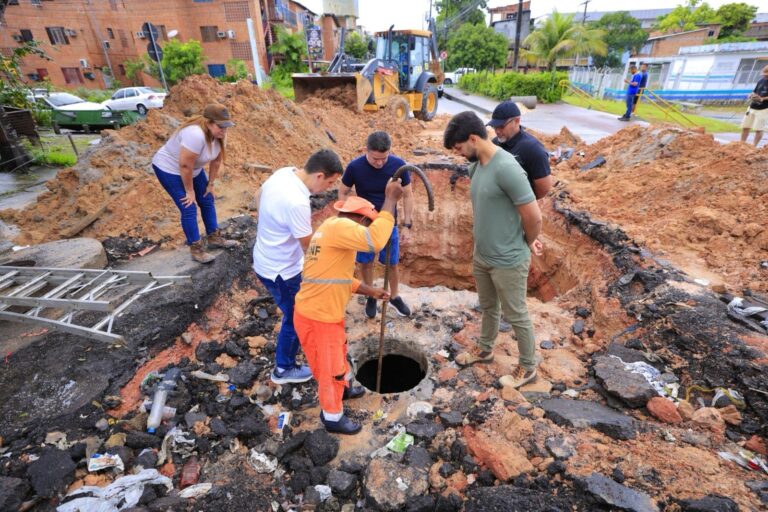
<point x="283" y="419"/>
<point x="261" y="462"/>
<point x="417" y="409"/>
<point x="177" y="441"/>
<point x="196" y="491"/>
<point x="168" y="412"/>
<point x="746" y="459"/>
<point x="161" y="395"/>
<point x="400" y="442"/>
<point x="190" y="472"/>
<point x="99" y="461"/>
<point x="124" y="492"/>
<point x="219" y="377"/>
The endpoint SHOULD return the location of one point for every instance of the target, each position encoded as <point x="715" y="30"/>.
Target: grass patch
<point x="56" y="150"/>
<point x="650" y="113"/>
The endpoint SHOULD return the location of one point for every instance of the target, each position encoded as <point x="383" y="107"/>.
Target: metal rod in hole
<point x="383" y="318"/>
<point x="74" y="148"/>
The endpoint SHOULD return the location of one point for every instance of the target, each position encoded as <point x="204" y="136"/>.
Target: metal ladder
<point x="72" y="291"/>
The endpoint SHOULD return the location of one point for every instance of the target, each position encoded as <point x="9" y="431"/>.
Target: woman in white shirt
<point x="178" y="165"/>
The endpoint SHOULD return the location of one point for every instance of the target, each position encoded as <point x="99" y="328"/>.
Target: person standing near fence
<point x="633" y="86"/>
<point x="756" y="117"/>
<point x="641" y="87"/>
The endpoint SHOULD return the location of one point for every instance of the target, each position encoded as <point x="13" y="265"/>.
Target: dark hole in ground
<point x="398" y="374"/>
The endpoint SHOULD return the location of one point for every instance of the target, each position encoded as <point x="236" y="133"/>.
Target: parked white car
<point x="139" y="99"/>
<point x="452" y="78"/>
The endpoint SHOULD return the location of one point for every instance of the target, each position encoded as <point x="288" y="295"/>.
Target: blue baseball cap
<point x="503" y="112"/>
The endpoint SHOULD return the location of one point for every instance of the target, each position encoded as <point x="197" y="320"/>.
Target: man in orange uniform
<point x="328" y="282"/>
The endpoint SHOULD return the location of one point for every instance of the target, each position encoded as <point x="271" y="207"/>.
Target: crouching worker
<point x="328" y="282"/>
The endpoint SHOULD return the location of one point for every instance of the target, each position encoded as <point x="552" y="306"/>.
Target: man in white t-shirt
<point x="283" y="234"/>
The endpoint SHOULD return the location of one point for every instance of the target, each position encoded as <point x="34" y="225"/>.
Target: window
<point x="57" y="35"/>
<point x="241" y="50"/>
<point x="119" y="95"/>
<point x="121" y="69"/>
<point x="711" y="33"/>
<point x="216" y="70"/>
<point x="130" y="93"/>
<point x="13" y="2"/>
<point x="208" y="33"/>
<point x="236" y="11"/>
<point x="113" y="4"/>
<point x="163" y="32"/>
<point x="110" y="33"/>
<point x="26" y="34"/>
<point x="72" y="75"/>
<point x="42" y="72"/>
<point x="123" y="38"/>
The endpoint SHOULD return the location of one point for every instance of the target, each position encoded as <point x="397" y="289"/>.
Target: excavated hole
<point x="403" y="366"/>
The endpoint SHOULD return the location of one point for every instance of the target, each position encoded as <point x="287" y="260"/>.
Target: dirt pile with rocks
<point x="689" y="199"/>
<point x="114" y="188"/>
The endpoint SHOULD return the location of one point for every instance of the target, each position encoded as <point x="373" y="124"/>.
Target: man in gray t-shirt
<point x="507" y="222"/>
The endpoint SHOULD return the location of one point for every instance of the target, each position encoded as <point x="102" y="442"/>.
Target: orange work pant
<point x="325" y="347"/>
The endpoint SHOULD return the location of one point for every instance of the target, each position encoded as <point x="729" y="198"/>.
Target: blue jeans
<point x="175" y="187"/>
<point x="394" y="251"/>
<point x="284" y="292"/>
<point x="630" y="99"/>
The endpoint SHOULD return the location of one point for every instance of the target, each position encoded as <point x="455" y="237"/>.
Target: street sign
<point x="155" y="52"/>
<point x="150" y="31"/>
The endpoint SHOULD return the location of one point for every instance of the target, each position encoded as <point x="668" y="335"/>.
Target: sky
<point x="376" y="15"/>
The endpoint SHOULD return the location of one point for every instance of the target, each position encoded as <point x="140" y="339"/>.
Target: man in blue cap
<point x="527" y="150"/>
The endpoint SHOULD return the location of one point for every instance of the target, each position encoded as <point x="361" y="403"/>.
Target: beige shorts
<point x="755" y="119"/>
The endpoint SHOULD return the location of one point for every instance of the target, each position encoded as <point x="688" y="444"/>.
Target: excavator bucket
<point x="352" y="88"/>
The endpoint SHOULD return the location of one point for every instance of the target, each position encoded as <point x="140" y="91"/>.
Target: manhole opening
<point x="398" y="374"/>
<point x="403" y="366"/>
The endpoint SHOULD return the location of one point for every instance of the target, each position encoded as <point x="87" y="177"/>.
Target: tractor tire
<point x="428" y="103"/>
<point x="399" y="108"/>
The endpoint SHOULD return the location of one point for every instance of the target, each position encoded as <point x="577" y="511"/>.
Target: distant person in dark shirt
<point x="369" y="175"/>
<point x="526" y="149"/>
<point x="756" y="117"/>
<point x="633" y="84"/>
<point x="641" y="87"/>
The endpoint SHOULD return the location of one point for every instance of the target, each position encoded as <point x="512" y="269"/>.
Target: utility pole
<point x="584" y="18"/>
<point x="518" y="29"/>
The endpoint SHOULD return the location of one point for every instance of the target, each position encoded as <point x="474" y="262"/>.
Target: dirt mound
<point x="689" y="199"/>
<point x="114" y="187"/>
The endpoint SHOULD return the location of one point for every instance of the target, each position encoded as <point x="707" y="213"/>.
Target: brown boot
<point x="216" y="241"/>
<point x="199" y="254"/>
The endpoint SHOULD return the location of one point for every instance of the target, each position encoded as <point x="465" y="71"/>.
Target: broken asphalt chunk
<point x="389" y="485"/>
<point x="321" y="447"/>
<point x="12" y="492"/>
<point x="710" y="503"/>
<point x="583" y="414"/>
<point x="51" y="473"/>
<point x="613" y="494"/>
<point x="597" y="162"/>
<point x="341" y="482"/>
<point x="632" y="388"/>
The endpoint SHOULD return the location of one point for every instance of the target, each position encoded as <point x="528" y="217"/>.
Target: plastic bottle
<point x="190" y="472"/>
<point x="161" y="395"/>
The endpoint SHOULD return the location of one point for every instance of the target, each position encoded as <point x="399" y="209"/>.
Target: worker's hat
<point x="356" y="204"/>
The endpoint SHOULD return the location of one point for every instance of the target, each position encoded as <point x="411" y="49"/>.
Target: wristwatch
<point x="408" y="225"/>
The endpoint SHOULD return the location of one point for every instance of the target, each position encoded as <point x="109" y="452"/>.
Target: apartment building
<point x="88" y="41"/>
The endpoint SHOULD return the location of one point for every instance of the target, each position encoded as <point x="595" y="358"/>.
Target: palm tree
<point x="559" y="37"/>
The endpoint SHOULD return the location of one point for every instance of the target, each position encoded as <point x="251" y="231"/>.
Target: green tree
<point x="291" y="48"/>
<point x="134" y="69"/>
<point x="477" y="46"/>
<point x="13" y="86"/>
<point x="558" y="37"/>
<point x="687" y="17"/>
<point x="355" y="46"/>
<point x="237" y="69"/>
<point x="451" y="14"/>
<point x="735" y="19"/>
<point x="622" y="32"/>
<point x="181" y="60"/>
